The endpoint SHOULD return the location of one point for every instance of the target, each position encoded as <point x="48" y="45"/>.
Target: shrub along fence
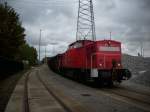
<point x="9" y="67"/>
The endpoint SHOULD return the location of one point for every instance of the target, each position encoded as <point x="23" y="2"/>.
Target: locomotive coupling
<point x="120" y="74"/>
<point x="126" y="74"/>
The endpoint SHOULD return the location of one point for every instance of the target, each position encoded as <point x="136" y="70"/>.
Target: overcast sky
<point x="128" y="20"/>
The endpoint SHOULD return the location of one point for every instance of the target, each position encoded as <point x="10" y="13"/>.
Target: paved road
<point x="49" y="92"/>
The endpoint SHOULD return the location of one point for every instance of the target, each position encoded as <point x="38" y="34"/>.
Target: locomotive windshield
<point x="107" y="48"/>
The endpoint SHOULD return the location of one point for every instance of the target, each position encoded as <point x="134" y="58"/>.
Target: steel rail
<point x="25" y="98"/>
<point x="142" y="98"/>
<point x="125" y="97"/>
<point x="66" y="108"/>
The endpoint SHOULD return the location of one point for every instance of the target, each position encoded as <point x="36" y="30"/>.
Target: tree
<point x="28" y="53"/>
<point x="11" y="32"/>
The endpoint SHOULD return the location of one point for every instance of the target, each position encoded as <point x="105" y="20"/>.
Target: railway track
<point x="66" y="108"/>
<point x="135" y="94"/>
<point x="147" y="93"/>
<point x="67" y="105"/>
<point x="25" y="100"/>
<point x="35" y="92"/>
<point x="134" y="98"/>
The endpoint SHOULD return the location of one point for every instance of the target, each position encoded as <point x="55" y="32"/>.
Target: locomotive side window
<point x="106" y="48"/>
<point x="70" y="47"/>
<point x="76" y="45"/>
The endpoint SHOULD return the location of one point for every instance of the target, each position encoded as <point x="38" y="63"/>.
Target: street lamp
<point x="40" y="45"/>
<point x="45" y="55"/>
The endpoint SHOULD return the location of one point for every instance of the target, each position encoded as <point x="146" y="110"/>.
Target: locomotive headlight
<point x="119" y="64"/>
<point x="100" y="64"/>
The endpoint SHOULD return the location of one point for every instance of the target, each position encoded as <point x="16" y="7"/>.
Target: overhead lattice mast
<point x="85" y="22"/>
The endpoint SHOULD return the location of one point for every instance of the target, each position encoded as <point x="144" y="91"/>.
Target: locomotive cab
<point x="106" y="62"/>
<point x="108" y="54"/>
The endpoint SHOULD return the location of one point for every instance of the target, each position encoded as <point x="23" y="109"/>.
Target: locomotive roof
<point x="85" y="41"/>
<point x="114" y="41"/>
<point x="89" y="41"/>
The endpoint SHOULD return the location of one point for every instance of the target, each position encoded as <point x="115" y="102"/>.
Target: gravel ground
<point x="136" y="63"/>
<point x="7" y="86"/>
<point x="143" y="79"/>
<point x="140" y="68"/>
<point x="88" y="96"/>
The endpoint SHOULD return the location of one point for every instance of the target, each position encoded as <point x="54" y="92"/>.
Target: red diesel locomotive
<point x="98" y="61"/>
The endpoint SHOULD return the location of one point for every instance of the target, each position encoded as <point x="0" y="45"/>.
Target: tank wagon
<point x="98" y="61"/>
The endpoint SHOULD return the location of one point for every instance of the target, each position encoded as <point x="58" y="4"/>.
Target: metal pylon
<point x="85" y="22"/>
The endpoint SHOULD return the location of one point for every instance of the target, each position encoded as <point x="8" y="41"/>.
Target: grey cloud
<point x="130" y="17"/>
<point x="36" y="10"/>
<point x="128" y="20"/>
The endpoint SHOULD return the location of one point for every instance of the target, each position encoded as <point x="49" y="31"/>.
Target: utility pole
<point x="110" y="35"/>
<point x="85" y="21"/>
<point x="141" y="49"/>
<point x="45" y="55"/>
<point x="143" y="52"/>
<point x="40" y="45"/>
